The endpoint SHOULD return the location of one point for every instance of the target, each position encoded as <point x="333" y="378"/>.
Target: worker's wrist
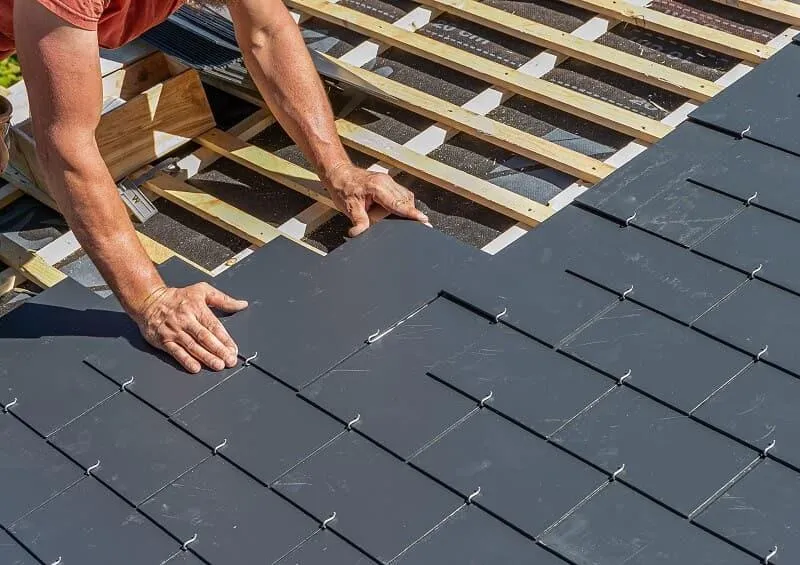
<point x="137" y="304"/>
<point x="328" y="173"/>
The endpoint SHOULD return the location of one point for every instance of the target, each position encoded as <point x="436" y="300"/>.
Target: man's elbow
<point x="62" y="147"/>
<point x="261" y="40"/>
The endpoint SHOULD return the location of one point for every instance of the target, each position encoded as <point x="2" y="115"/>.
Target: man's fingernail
<point x="426" y="223"/>
<point x="218" y="365"/>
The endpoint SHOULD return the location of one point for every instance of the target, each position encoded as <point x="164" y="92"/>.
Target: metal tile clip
<point x="761" y="353"/>
<point x="756" y="271"/>
<point x="475" y="493"/>
<point x="92" y="468"/>
<point x="769" y="448"/>
<point x="7" y="407"/>
<point x="486" y="398"/>
<point x="220" y="446"/>
<point x="189" y="542"/>
<point x="328" y="520"/>
<point x="57" y="561"/>
<point x="625" y="294"/>
<point x="750" y="200"/>
<point x="353" y="422"/>
<point x="374" y="337"/>
<point x="618" y="472"/>
<point x="126" y="384"/>
<point x="249" y="359"/>
<point x="500" y="315"/>
<point x="630" y="219"/>
<point x="746" y="131"/>
<point x="773" y="552"/>
<point x="624" y="377"/>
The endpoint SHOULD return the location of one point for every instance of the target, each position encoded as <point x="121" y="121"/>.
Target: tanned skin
<point x="62" y="73"/>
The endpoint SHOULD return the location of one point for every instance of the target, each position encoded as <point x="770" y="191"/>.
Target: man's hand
<point x="354" y="191"/>
<point x="180" y="322"/>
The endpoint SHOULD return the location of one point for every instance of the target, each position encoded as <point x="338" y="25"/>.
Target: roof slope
<point x="619" y="386"/>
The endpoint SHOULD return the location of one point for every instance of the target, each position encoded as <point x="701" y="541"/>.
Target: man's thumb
<point x="360" y="220"/>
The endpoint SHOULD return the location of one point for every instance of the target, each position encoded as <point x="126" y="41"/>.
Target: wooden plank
<point x="149" y="126"/>
<point x="28" y="263"/>
<point x="142" y="75"/>
<point x="8" y="194"/>
<point x="537" y="89"/>
<point x="455" y="180"/>
<point x="602" y="56"/>
<point x="481" y="127"/>
<point x="154" y="124"/>
<point x="248" y="128"/>
<point x="780" y="10"/>
<point x="212" y="209"/>
<point x="265" y="163"/>
<point x="690" y="32"/>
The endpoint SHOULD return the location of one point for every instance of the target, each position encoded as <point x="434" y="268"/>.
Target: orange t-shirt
<point x="116" y="21"/>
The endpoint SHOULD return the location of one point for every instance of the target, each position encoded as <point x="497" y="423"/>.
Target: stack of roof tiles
<point x="619" y="387"/>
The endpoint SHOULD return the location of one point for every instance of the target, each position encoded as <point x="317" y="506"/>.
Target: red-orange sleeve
<point x="81" y="13"/>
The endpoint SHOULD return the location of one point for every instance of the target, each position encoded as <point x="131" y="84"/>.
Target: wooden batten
<point x="501" y="76"/>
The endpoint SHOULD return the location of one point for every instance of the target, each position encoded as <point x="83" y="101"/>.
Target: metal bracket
<point x="130" y="190"/>
<point x="18" y="178"/>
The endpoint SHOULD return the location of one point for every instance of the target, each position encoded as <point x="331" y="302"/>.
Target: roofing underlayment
<point x="617" y="387"/>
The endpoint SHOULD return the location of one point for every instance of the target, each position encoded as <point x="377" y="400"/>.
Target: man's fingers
<point x="399" y="201"/>
<point x="357" y="211"/>
<point x="203" y="335"/>
<point x="221" y="301"/>
<point x="181" y="356"/>
<point x="210" y="321"/>
<point x="200" y="353"/>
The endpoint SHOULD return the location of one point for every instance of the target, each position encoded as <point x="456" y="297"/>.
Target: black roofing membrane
<point x="189" y="235"/>
<point x="724" y="18"/>
<point x="427" y="76"/>
<point x="667" y="51"/>
<point x="390" y="11"/>
<point x="555" y="14"/>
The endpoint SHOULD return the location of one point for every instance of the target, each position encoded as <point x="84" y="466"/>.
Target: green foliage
<point x="9" y="72"/>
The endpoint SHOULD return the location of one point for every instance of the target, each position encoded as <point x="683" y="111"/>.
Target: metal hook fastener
<point x="189" y="542"/>
<point x="618" y="472"/>
<point x="770" y="555"/>
<point x="353" y="422"/>
<point x="750" y="200"/>
<point x="471" y="497"/>
<point x="486" y="398"/>
<point x="768" y="448"/>
<point x="746" y="130"/>
<point x="761" y="353"/>
<point x="220" y="446"/>
<point x="7" y="407"/>
<point x="500" y="315"/>
<point x="57" y="561"/>
<point x="627" y="292"/>
<point x="756" y="271"/>
<point x="629" y="220"/>
<point x="248" y="360"/>
<point x="374" y="337"/>
<point x="328" y="520"/>
<point x="93" y="468"/>
<point x="126" y="384"/>
<point x="624" y="377"/>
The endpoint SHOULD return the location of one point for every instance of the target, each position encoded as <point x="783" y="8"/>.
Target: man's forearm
<point x="279" y="64"/>
<point x="88" y="199"/>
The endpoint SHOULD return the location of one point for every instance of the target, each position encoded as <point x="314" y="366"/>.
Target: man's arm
<point x="281" y="67"/>
<point x="62" y="74"/>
